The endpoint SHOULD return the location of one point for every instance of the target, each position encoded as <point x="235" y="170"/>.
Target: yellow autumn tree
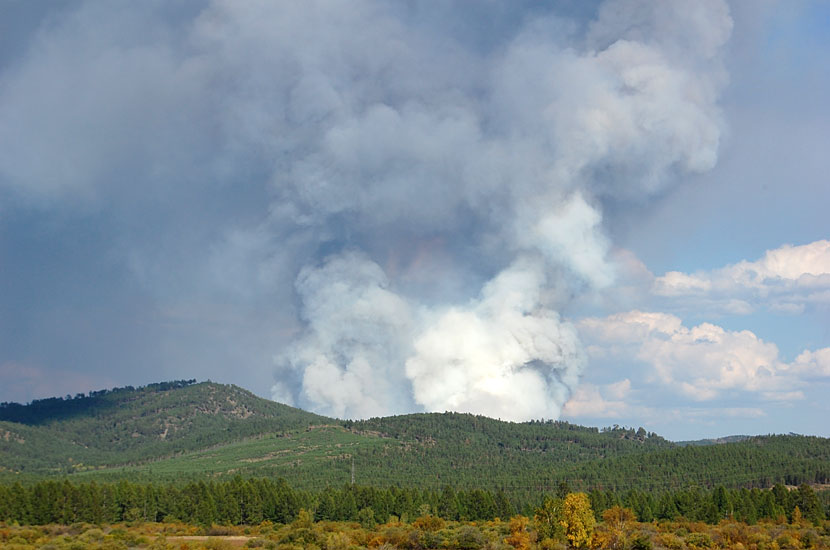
<point x="613" y="535"/>
<point x="798" y="518"/>
<point x="578" y="519"/>
<point x="519" y="537"/>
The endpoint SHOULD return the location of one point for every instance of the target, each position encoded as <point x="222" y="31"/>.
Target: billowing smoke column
<point x="448" y="193"/>
<point x="348" y="360"/>
<point x="505" y="355"/>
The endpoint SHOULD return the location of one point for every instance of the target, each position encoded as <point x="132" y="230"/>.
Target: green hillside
<point x="129" y="425"/>
<point x="184" y="431"/>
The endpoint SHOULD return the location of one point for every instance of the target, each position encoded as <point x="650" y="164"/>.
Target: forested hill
<point x="539" y="436"/>
<point x="182" y="430"/>
<point x="127" y="425"/>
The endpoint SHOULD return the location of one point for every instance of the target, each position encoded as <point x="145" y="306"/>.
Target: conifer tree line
<point x="251" y="501"/>
<point x="38" y="410"/>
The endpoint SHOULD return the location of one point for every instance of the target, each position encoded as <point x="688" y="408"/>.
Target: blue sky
<point x="609" y="212"/>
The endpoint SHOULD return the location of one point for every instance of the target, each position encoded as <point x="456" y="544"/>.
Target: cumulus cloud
<point x="785" y="279"/>
<point x="812" y="364"/>
<point x="706" y="361"/>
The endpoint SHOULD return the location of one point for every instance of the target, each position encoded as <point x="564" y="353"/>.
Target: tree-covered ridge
<point x="527" y="457"/>
<point x="323" y="456"/>
<point x="127" y="425"/>
<point x="469" y="430"/>
<point x="182" y="432"/>
<point x="51" y="409"/>
<point x="760" y="461"/>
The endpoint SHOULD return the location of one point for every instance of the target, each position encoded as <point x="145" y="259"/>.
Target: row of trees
<point x="251" y="501"/>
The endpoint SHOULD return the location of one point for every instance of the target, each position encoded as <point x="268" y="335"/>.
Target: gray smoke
<point x="415" y="188"/>
<point x="510" y="151"/>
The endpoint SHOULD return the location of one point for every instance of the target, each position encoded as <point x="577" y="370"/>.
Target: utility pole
<point x="352" y="470"/>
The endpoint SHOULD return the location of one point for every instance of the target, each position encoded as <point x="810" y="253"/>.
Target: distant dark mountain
<point x="178" y="431"/>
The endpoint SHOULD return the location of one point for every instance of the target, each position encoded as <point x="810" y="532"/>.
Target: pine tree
<point x="723" y="505"/>
<point x="448" y="504"/>
<point x="809" y="504"/>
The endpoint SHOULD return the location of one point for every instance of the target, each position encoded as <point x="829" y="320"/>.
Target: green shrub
<point x="92" y="535"/>
<point x="671" y="541"/>
<point x="788" y="542"/>
<point x="641" y="541"/>
<point x="810" y="539"/>
<point x="468" y="538"/>
<point x="218" y="544"/>
<point x="699" y="540"/>
<point x="337" y="541"/>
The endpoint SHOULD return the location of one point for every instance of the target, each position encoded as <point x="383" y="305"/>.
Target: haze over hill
<point x="176" y="431"/>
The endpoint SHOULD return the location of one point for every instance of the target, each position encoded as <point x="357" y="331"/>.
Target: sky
<point x="605" y="212"/>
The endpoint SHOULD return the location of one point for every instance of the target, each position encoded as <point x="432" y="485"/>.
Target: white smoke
<point x="504" y="355"/>
<point x="347" y="360"/>
<point x="522" y="146"/>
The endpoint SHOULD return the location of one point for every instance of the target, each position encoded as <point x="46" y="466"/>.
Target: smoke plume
<point x="396" y="201"/>
<point x="498" y="161"/>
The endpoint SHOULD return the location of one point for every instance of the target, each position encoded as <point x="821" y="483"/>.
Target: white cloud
<point x="609" y="401"/>
<point x="626" y="328"/>
<point x="711" y="414"/>
<point x="785" y="279"/>
<point x="619" y="390"/>
<point x="812" y="363"/>
<point x="706" y="361"/>
<point x="675" y="283"/>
